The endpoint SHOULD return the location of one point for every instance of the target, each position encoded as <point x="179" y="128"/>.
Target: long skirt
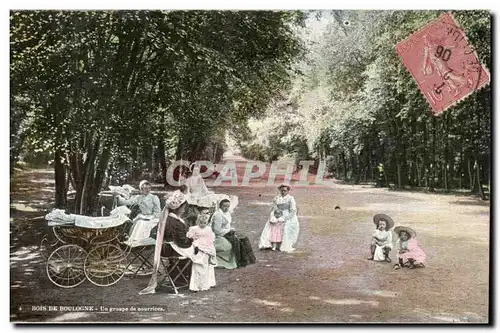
<point x="247" y="255"/>
<point x="202" y="272"/>
<point x="290" y="235"/>
<point x="225" y="255"/>
<point x="235" y="245"/>
<point x="140" y="230"/>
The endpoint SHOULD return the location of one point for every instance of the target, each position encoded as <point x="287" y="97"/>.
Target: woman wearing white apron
<point x="285" y="203"/>
<point x="149" y="206"/>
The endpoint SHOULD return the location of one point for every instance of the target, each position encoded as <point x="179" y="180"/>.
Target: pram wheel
<point x="47" y="246"/>
<point x="65" y="266"/>
<point x="104" y="265"/>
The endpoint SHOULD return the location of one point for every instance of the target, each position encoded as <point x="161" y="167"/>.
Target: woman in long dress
<point x="233" y="250"/>
<point x="172" y="229"/>
<point x="285" y="203"/>
<point x="221" y="225"/>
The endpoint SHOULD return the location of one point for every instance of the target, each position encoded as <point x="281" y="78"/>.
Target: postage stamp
<point x="444" y="64"/>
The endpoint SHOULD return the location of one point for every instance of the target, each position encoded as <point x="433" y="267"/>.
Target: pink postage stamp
<point x="443" y="63"/>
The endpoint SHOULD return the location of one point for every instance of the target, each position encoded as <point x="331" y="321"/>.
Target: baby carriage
<point x="100" y="250"/>
<point x="85" y="248"/>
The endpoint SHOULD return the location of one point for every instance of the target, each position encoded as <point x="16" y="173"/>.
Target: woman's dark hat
<point x="388" y="220"/>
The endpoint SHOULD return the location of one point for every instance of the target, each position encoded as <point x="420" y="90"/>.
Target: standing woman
<point x="285" y="203"/>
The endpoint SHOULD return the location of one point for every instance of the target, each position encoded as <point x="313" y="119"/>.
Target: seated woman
<point x="149" y="207"/>
<point x="232" y="251"/>
<point x="409" y="253"/>
<point x="171" y="228"/>
<point x="173" y="231"/>
<point x="199" y="198"/>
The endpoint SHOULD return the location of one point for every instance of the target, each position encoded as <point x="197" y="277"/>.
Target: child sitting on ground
<point x="409" y="253"/>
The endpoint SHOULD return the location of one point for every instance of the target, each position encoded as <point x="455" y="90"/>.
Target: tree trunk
<point x="398" y="167"/>
<point x="472" y="181"/>
<point x="60" y="180"/>
<point x="445" y="176"/>
<point x="87" y="184"/>
<point x="344" y="163"/>
<point x="163" y="160"/>
<point x="180" y="147"/>
<point x="355" y="173"/>
<point x="433" y="171"/>
<point x="419" y="179"/>
<point x="107" y="181"/>
<point x="98" y="180"/>
<point x="460" y="165"/>
<point x="479" y="183"/>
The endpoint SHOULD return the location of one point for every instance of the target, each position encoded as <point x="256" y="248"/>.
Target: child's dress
<point x="203" y="239"/>
<point x="202" y="271"/>
<point x="385" y="240"/>
<point x="290" y="229"/>
<point x="276" y="229"/>
<point x="414" y="252"/>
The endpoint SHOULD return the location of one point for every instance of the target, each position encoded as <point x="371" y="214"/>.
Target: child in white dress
<point x="202" y="272"/>
<point x="381" y="243"/>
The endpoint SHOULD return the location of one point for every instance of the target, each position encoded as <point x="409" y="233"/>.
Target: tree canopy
<point x="108" y="90"/>
<point x="361" y="108"/>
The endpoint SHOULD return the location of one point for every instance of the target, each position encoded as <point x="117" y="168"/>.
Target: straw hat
<point x="284" y="185"/>
<point x="408" y="230"/>
<point x="383" y="217"/>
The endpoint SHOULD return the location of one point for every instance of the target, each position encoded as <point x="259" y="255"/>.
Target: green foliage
<point x="358" y="104"/>
<point x="108" y="86"/>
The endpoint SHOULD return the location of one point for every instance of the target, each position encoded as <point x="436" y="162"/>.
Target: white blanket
<point x="59" y="218"/>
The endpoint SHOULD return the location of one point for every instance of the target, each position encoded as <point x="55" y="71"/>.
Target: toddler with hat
<point x="409" y="253"/>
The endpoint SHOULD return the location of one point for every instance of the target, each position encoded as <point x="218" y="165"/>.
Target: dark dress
<point x="175" y="231"/>
<point x="241" y="247"/>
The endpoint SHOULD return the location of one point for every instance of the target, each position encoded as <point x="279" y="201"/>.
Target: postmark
<point x="444" y="64"/>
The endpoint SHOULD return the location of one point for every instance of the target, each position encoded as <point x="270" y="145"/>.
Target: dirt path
<point x="328" y="279"/>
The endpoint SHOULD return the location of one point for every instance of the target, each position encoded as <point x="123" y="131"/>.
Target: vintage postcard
<point x="250" y="166"/>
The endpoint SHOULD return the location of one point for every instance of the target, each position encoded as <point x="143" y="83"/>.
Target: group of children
<point x="409" y="254"/>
